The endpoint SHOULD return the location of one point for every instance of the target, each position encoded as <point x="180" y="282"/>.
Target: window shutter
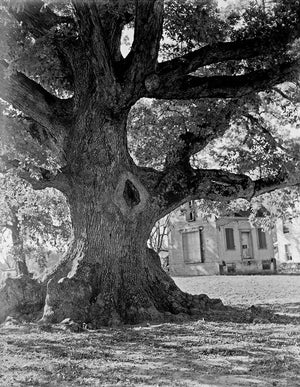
<point x="229" y="239"/>
<point x="262" y="241"/>
<point x="191" y="246"/>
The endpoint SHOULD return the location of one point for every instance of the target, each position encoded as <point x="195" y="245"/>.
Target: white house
<point x="288" y="245"/>
<point x="227" y="245"/>
<point x="288" y="240"/>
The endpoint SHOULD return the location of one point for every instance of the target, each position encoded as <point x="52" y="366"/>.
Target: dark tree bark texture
<point x="109" y="276"/>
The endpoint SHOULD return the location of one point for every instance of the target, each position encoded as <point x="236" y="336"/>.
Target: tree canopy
<point x="73" y="105"/>
<point x="249" y="51"/>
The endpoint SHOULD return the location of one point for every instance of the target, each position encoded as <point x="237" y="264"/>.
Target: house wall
<point x="290" y="238"/>
<point x="210" y="264"/>
<point x="238" y="226"/>
<point x="217" y="259"/>
<point x="243" y="265"/>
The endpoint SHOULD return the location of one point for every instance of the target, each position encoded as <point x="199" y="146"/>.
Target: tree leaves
<point x="156" y="129"/>
<point x="43" y="216"/>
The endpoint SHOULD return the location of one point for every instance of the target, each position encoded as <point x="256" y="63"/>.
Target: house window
<point x="192" y="246"/>
<point x="229" y="239"/>
<point x="191" y="212"/>
<point x="266" y="264"/>
<point x="288" y="254"/>
<point x="262" y="240"/>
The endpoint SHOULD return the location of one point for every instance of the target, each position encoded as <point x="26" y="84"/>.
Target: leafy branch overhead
<point x="68" y="53"/>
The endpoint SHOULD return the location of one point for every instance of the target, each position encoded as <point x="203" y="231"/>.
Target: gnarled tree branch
<point x="94" y="41"/>
<point x="107" y="18"/>
<point x="142" y="59"/>
<point x="13" y="132"/>
<point x="42" y="23"/>
<point x="286" y="96"/>
<point x="190" y="143"/>
<point x="216" y="53"/>
<point x="180" y="184"/>
<point x="114" y="16"/>
<point x="46" y="178"/>
<point x="191" y="87"/>
<point x="34" y="101"/>
<point x="37" y="17"/>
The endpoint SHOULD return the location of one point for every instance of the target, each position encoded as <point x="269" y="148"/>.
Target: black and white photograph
<point x="150" y="193"/>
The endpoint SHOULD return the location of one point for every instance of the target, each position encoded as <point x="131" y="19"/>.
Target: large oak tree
<point x="72" y="91"/>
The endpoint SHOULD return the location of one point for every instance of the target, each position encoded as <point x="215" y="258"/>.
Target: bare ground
<point x="198" y="353"/>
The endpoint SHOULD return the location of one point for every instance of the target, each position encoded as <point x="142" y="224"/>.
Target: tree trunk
<point x="109" y="276"/>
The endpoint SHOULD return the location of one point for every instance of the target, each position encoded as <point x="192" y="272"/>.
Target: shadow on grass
<point x="166" y="353"/>
<point x="177" y="354"/>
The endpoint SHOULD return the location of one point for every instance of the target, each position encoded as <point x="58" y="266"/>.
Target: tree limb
<point x="142" y="58"/>
<point x="286" y="96"/>
<point x="268" y="135"/>
<point x="180" y="184"/>
<point x="13" y="135"/>
<point x="114" y="16"/>
<point x="37" y="17"/>
<point x="34" y="101"/>
<point x="271" y="183"/>
<point x="216" y="53"/>
<point x="96" y="45"/>
<point x="192" y="87"/>
<point x="41" y="22"/>
<point x="46" y="178"/>
<point x="191" y="143"/>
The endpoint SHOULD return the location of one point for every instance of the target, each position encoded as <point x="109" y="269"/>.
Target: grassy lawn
<point x="188" y="354"/>
<point x="246" y="290"/>
<point x="198" y="353"/>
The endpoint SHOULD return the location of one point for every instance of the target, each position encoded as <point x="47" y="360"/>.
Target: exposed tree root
<point x="23" y="298"/>
<point x="74" y="293"/>
<point x="85" y="297"/>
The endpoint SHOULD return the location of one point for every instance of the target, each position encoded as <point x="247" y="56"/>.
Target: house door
<point x="246" y="243"/>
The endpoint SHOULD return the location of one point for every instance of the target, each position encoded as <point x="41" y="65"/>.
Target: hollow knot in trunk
<point x="131" y="194"/>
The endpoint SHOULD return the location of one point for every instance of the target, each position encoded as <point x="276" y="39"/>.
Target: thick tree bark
<point x="109" y="276"/>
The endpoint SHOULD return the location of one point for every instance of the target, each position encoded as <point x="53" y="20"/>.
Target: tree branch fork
<point x="167" y="80"/>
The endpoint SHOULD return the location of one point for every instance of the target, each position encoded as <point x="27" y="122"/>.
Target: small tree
<point x="158" y="240"/>
<point x="36" y="221"/>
